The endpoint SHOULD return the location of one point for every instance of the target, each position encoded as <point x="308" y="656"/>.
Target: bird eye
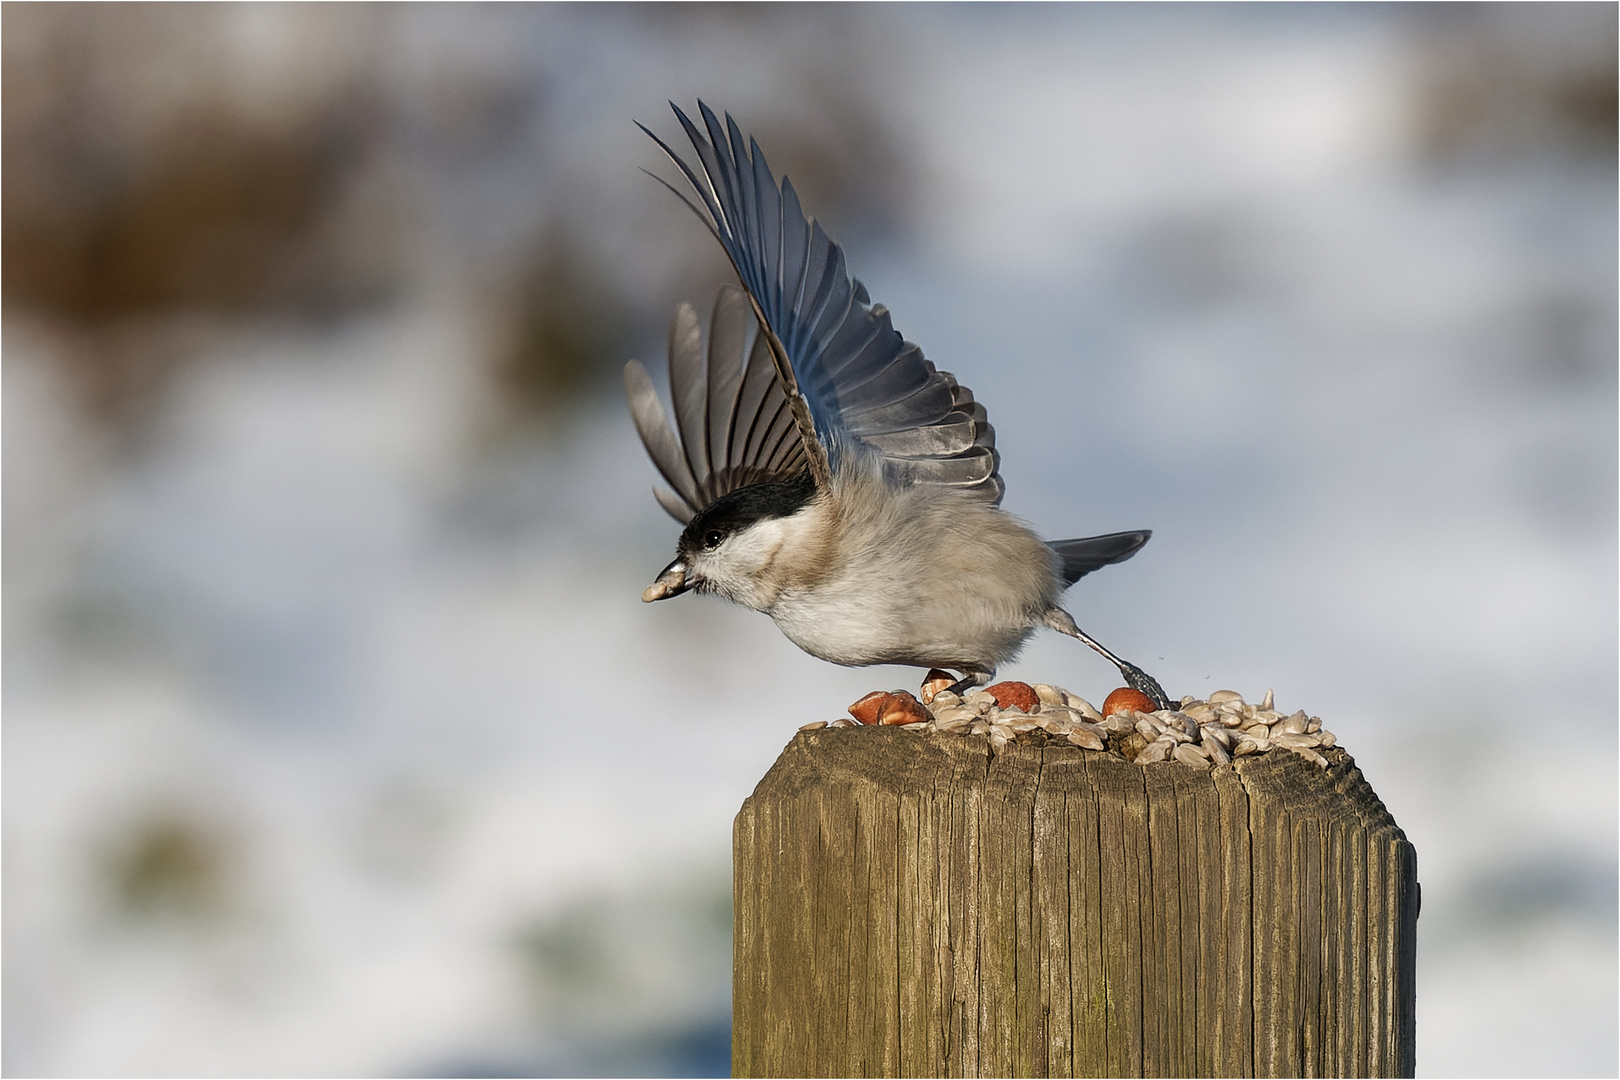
<point x="712" y="538"/>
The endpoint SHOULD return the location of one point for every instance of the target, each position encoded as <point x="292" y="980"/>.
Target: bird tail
<point x="1082" y="556"/>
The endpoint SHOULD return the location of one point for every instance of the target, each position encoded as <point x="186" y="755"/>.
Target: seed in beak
<point x="672" y="582"/>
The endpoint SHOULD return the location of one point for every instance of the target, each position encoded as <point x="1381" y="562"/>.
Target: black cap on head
<point x="739" y="509"/>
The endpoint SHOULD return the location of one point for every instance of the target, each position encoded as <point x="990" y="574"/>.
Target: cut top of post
<point x="912" y="903"/>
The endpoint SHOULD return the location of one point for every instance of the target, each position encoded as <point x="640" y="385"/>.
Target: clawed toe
<point x="1137" y="679"/>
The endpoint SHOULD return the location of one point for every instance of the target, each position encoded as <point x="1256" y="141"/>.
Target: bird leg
<point x="970" y="680"/>
<point x="1135" y="677"/>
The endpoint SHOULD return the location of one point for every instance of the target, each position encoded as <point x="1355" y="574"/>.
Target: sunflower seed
<point x="1197" y="733"/>
<point x="1199" y="711"/>
<point x="1192" y="755"/>
<point x="1153" y="751"/>
<point x="1087" y="737"/>
<point x="1081" y="705"/>
<point x="1049" y="694"/>
<point x="1177" y="721"/>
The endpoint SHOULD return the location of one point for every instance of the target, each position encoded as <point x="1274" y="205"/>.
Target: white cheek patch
<point x="752" y="550"/>
<point x="747" y="567"/>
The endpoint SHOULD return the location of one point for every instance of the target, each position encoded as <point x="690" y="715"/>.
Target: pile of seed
<point x="1197" y="733"/>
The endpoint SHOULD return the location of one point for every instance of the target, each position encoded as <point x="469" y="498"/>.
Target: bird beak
<point x="672" y="582"/>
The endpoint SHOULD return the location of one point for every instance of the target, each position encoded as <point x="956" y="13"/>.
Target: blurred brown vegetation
<point x="146" y="194"/>
<point x="559" y="319"/>
<point x="168" y="177"/>
<point x="217" y="215"/>
<point x="171" y="867"/>
<point x="177" y="171"/>
<point x="1516" y="80"/>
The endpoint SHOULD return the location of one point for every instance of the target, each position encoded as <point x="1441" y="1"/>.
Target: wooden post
<point x="916" y="905"/>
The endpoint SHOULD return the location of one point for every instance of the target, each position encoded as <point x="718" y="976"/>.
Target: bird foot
<point x="970" y="680"/>
<point x="1137" y="679"/>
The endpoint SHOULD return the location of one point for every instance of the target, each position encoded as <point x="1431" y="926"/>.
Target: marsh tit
<point x="826" y="474"/>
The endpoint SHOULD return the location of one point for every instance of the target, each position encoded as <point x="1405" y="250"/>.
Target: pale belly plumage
<point x="856" y="630"/>
<point x="918" y="577"/>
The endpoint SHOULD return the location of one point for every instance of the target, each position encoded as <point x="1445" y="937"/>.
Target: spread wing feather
<point x="689" y="388"/>
<point x="844" y="376"/>
<point x="753" y="418"/>
<point x="673" y="504"/>
<point x="728" y="356"/>
<point x="953" y="435"/>
<point x="652" y="424"/>
<point x="734" y="423"/>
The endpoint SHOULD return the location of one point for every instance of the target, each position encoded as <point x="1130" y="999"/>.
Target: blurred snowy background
<point x="337" y="741"/>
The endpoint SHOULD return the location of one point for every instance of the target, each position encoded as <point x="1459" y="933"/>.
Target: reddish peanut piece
<point x="1014" y="695"/>
<point x="869" y="707"/>
<point x="901" y="708"/>
<point x="1126" y="699"/>
<point x="935" y="681"/>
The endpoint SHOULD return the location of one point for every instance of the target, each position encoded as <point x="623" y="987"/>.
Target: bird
<point x="823" y="471"/>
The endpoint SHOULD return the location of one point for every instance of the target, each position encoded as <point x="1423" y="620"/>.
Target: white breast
<point x="953" y="584"/>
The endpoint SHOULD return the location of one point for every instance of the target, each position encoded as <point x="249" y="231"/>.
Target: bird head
<point x="740" y="546"/>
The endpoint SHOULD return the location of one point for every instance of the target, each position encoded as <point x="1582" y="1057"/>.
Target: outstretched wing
<point x="734" y="421"/>
<point x="848" y="376"/>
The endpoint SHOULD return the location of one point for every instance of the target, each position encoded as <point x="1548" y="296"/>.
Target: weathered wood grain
<point x="916" y="905"/>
